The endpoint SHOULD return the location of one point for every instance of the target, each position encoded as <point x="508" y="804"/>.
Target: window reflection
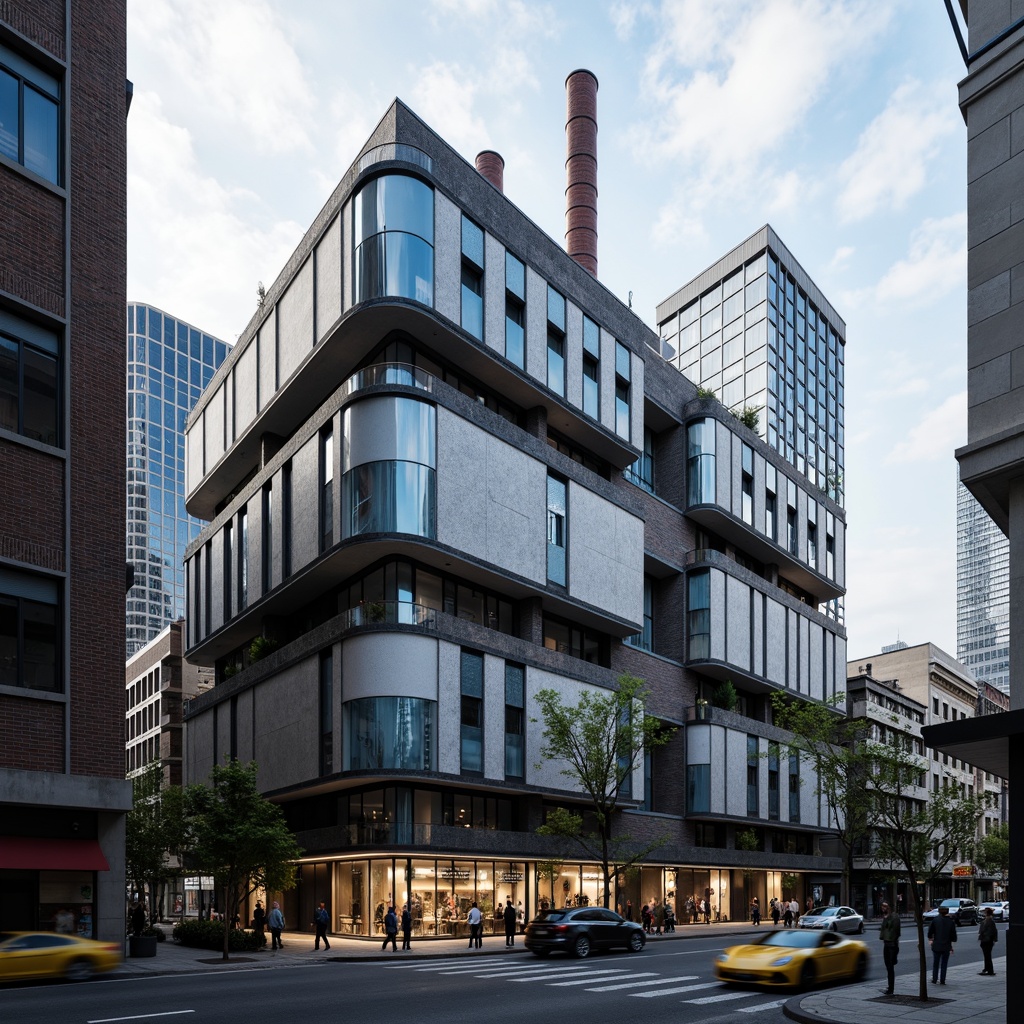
<point x="390" y="732"/>
<point x="389" y="497"/>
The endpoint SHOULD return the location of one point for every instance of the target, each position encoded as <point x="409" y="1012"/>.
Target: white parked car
<point x="1000" y="909"/>
<point x="834" y="919"/>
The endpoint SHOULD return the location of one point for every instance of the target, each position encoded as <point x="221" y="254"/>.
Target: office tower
<point x="169" y="364"/>
<point x="63" y="795"/>
<point x="452" y="473"/>
<point x="982" y="592"/>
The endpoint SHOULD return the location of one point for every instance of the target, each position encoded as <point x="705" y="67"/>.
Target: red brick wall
<point x="32" y="527"/>
<point x="35" y="734"/>
<point x="41" y="21"/>
<point x="32" y="242"/>
<point x="97" y="346"/>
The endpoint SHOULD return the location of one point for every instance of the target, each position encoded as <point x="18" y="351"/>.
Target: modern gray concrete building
<point x="982" y="592"/>
<point x="443" y="467"/>
<point x="992" y="461"/>
<point x="169" y="364"/>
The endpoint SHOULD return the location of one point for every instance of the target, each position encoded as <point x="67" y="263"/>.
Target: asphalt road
<point x="670" y="982"/>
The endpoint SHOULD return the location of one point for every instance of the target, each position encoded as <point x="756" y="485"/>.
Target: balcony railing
<point x="389" y="373"/>
<point x="405" y="613"/>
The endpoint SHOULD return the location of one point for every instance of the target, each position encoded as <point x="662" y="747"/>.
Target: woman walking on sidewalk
<point x="987" y="938"/>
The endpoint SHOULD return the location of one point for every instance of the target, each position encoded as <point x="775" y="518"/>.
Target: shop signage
<point x="510" y="876"/>
<point x="455" y="874"/>
<point x="963" y="871"/>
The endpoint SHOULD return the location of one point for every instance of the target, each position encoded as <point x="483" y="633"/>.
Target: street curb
<point x="792" y="1009"/>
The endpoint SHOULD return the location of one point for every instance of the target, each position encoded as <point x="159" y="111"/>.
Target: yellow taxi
<point x="793" y="959"/>
<point x="25" y="956"/>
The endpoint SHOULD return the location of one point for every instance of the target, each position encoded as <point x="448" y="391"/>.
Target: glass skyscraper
<point x="755" y="330"/>
<point x="982" y="592"/>
<point x="169" y="364"/>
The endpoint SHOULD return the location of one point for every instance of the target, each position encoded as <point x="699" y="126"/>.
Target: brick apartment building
<point x="63" y="795"/>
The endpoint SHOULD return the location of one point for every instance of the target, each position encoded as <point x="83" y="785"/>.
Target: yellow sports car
<point x="794" y="959"/>
<point x="25" y="956"/>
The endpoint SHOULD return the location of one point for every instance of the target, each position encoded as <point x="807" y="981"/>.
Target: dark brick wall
<point x="41" y="21"/>
<point x="32" y="242"/>
<point x="32" y="528"/>
<point x="97" y="340"/>
<point x="35" y="734"/>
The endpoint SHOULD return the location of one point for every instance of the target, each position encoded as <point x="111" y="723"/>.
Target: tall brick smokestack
<point x="492" y="167"/>
<point x="581" y="169"/>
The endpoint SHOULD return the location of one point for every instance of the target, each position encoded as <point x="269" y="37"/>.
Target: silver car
<point x="834" y="919"/>
<point x="1000" y="909"/>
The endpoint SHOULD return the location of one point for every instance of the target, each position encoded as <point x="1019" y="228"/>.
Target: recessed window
<point x="472" y="278"/>
<point x="30" y="632"/>
<point x="556" y="341"/>
<point x="29" y="116"/>
<point x="591" y="368"/>
<point x="472" y="713"/>
<point x="30" y="380"/>
<point x="700" y="463"/>
<point x="326" y="490"/>
<point x="515" y="721"/>
<point x="557" y="530"/>
<point x="622" y="390"/>
<point x="698" y="614"/>
<point x="515" y="310"/>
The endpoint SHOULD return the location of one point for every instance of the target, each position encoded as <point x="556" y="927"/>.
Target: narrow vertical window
<point x="326" y="490"/>
<point x="700" y="463"/>
<point x="753" y="761"/>
<point x="591" y="368"/>
<point x="794" y="787"/>
<point x="286" y="519"/>
<point x="556" y="341"/>
<point x="472" y="717"/>
<point x="472" y="278"/>
<point x="830" y="545"/>
<point x="770" y="489"/>
<point x="243" y="560"/>
<point x="622" y="386"/>
<point x="229" y="568"/>
<point x="515" y="721"/>
<point x="698" y="614"/>
<point x="326" y="712"/>
<point x="645" y="638"/>
<point x="747" y="485"/>
<point x="557" y="539"/>
<point x="267" y="545"/>
<point x="791" y="530"/>
<point x="812" y="534"/>
<point x="515" y="311"/>
<point x="641" y="472"/>
<point x="773" y="781"/>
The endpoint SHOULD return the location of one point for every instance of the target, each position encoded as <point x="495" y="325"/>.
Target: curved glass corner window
<point x="390" y="732"/>
<point x="698" y="615"/>
<point x="700" y="463"/>
<point x="389" y="497"/>
<point x="394" y="239"/>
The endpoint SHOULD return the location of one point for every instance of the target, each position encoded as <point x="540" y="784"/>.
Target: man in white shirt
<point x="794" y="909"/>
<point x="475" y="919"/>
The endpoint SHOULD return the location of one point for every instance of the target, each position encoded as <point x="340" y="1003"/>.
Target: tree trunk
<point x="226" y="920"/>
<point x="915" y="900"/>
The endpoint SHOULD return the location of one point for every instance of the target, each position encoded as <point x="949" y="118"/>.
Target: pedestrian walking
<point x="776" y="913"/>
<point x="942" y="936"/>
<point x="476" y="926"/>
<point x="259" y="920"/>
<point x="987" y="938"/>
<point x="406" y="927"/>
<point x="138" y="919"/>
<point x="509" y="915"/>
<point x="390" y="930"/>
<point x="645" y="918"/>
<point x="787" y="914"/>
<point x="629" y="910"/>
<point x="658" y="915"/>
<point x="321" y="918"/>
<point x="521" y="917"/>
<point x="889" y="935"/>
<point x="275" y="922"/>
<point x="670" y="918"/>
<point x="795" y="910"/>
<point x="755" y="912"/>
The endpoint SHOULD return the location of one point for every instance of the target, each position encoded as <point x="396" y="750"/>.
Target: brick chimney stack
<point x="492" y="167"/>
<point x="581" y="169"/>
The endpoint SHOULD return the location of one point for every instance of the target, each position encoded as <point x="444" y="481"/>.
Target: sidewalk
<point x="964" y="997"/>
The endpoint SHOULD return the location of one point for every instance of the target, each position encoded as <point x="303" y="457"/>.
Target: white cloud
<point x="198" y="248"/>
<point x="935" y="263"/>
<point x="890" y="163"/>
<point x="941" y="430"/>
<point x="841" y="257"/>
<point x="444" y="99"/>
<point x="518" y="17"/>
<point x="624" y="16"/>
<point x="233" y="66"/>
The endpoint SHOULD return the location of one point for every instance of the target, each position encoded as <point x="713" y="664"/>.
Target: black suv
<point x="580" y="930"/>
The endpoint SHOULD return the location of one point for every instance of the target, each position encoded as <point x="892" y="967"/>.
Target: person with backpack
<point x="390" y="930"/>
<point x="321" y="918"/>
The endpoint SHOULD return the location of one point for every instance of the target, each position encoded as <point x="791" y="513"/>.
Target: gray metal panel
<point x="295" y="322"/>
<point x="213" y="419"/>
<point x="194" y="468"/>
<point x="717" y="583"/>
<point x="573" y="355"/>
<point x="389" y="665"/>
<point x="449" y="704"/>
<point x="536" y="344"/>
<point x="606" y="380"/>
<point x="347" y="264"/>
<point x="775" y="666"/>
<point x="737" y="644"/>
<point x="306" y="504"/>
<point x="268" y="360"/>
<point x="494" y="294"/>
<point x="328" y="278"/>
<point x="287" y="705"/>
<point x="494" y="717"/>
<point x="447" y="258"/>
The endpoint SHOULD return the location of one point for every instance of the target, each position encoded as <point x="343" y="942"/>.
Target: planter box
<point x="141" y="945"/>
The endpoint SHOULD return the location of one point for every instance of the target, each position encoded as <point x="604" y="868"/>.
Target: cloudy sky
<point x="834" y="120"/>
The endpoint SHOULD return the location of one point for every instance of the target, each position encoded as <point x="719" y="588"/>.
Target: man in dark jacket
<point x="890" y="937"/>
<point x="138" y="920"/>
<point x="987" y="938"/>
<point x="259" y="919"/>
<point x="406" y="927"/>
<point x="942" y="936"/>
<point x="390" y="930"/>
<point x="509" y="916"/>
<point x="321" y="918"/>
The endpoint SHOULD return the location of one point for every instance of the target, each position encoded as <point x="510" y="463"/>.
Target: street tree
<point x="830" y="742"/>
<point x="238" y="837"/>
<point x="917" y="833"/>
<point x="992" y="853"/>
<point x="600" y="741"/>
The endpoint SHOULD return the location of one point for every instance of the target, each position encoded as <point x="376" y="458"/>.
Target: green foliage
<point x="992" y="853"/>
<point x="747" y="840"/>
<point x="749" y="417"/>
<point x="239" y="838"/>
<point x="725" y="696"/>
<point x="703" y="392"/>
<point x="260" y="647"/>
<point x="210" y="935"/>
<point x="600" y="742"/>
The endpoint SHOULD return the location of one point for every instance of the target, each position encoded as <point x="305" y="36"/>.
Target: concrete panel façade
<point x="389" y="665"/>
<point x="285" y="711"/>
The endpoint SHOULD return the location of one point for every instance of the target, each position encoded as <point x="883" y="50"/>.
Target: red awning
<point x="31" y="854"/>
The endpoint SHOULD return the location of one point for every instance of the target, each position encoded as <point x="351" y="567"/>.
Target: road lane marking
<point x="571" y="974"/>
<point x="762" y="1006"/>
<point x="674" y="991"/>
<point x="139" y="1016"/>
<point x="721" y="998"/>
<point x="641" y="984"/>
<point x="586" y="981"/>
<point x="472" y="968"/>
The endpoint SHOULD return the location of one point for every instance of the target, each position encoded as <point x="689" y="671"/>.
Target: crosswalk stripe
<point x="673" y="991"/>
<point x="568" y="974"/>
<point x="641" y="984"/>
<point x="586" y="981"/>
<point x="721" y="998"/>
<point x="498" y="971"/>
<point x="761" y="1006"/>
